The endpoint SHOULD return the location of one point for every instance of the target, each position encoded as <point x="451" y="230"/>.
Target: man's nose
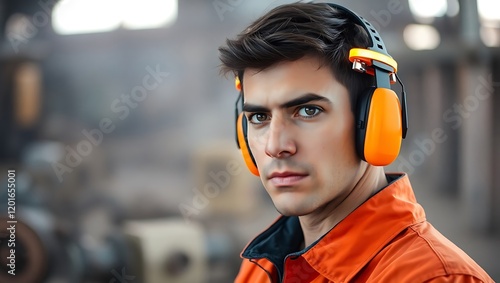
<point x="280" y="139"/>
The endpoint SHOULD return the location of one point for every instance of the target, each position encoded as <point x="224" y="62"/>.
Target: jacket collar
<point x="282" y="238"/>
<point x="341" y="253"/>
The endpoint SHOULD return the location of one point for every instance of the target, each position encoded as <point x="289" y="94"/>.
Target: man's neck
<point x="317" y="224"/>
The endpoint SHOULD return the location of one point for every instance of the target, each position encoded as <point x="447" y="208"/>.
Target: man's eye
<point x="258" y="118"/>
<point x="309" y="111"/>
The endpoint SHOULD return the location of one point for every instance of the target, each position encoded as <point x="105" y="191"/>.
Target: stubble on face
<point x="325" y="144"/>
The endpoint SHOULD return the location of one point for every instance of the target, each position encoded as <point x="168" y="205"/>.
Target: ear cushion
<point x="241" y="134"/>
<point x="379" y="126"/>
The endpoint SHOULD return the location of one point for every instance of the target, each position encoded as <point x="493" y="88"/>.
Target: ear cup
<point x="379" y="126"/>
<point x="241" y="135"/>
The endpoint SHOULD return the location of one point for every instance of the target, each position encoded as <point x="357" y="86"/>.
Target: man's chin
<point x="287" y="210"/>
<point x="293" y="204"/>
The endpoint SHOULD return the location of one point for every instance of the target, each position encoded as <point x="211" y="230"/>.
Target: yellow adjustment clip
<point x="366" y="56"/>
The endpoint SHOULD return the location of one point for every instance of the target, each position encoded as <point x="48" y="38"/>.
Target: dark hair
<point x="292" y="31"/>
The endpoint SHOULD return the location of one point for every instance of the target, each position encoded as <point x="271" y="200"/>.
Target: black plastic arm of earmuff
<point x="382" y="66"/>
<point x="382" y="78"/>
<point x="404" y="108"/>
<point x="377" y="44"/>
<point x="361" y="124"/>
<point x="405" y="115"/>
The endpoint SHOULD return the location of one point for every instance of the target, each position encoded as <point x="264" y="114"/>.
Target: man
<point x="343" y="219"/>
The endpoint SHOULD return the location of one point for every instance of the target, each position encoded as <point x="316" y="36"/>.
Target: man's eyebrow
<point x="308" y="97"/>
<point x="247" y="107"/>
<point x="304" y="99"/>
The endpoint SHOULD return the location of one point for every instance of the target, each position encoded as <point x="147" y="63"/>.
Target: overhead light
<point x="428" y="8"/>
<point x="453" y="8"/>
<point x="91" y="16"/>
<point x="490" y="36"/>
<point x="85" y="16"/>
<point x="489" y="10"/>
<point x="146" y="14"/>
<point x="421" y="37"/>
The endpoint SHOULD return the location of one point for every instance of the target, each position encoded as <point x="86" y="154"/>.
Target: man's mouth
<point x="286" y="178"/>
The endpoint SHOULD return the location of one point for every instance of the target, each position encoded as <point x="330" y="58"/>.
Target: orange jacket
<point x="386" y="239"/>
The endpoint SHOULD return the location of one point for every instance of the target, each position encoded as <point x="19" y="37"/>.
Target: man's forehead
<point x="287" y="80"/>
<point x="311" y="63"/>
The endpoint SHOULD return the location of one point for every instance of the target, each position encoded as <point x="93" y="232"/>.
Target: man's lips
<point x="286" y="179"/>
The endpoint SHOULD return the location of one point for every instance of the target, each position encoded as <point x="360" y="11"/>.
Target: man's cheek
<point x="256" y="143"/>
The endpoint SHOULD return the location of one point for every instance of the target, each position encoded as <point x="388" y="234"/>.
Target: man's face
<point x="301" y="134"/>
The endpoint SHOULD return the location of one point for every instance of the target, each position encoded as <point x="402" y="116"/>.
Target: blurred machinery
<point x="68" y="233"/>
<point x="168" y="250"/>
<point x="87" y="237"/>
<point x="53" y="243"/>
<point x="221" y="177"/>
<point x="20" y="105"/>
<point x="76" y="231"/>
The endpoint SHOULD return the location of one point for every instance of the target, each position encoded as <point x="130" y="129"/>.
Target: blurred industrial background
<point x="119" y="132"/>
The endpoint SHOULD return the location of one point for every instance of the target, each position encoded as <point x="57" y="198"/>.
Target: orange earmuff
<point x="379" y="127"/>
<point x="241" y="130"/>
<point x="381" y="120"/>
